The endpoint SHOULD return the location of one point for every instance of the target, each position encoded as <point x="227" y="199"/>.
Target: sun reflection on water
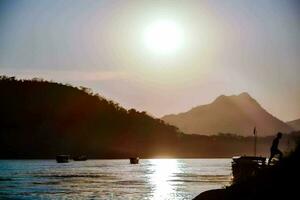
<point x="163" y="171"/>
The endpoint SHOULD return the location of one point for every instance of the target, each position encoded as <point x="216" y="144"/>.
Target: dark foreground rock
<point x="219" y="194"/>
<point x="277" y="182"/>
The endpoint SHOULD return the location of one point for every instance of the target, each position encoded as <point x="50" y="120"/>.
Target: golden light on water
<point x="163" y="36"/>
<point x="163" y="172"/>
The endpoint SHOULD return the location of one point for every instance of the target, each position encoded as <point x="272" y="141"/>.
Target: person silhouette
<point x="274" y="148"/>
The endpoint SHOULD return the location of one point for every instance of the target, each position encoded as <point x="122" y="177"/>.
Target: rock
<point x="218" y="194"/>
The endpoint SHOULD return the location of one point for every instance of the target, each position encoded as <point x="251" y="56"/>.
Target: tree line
<point x="40" y="119"/>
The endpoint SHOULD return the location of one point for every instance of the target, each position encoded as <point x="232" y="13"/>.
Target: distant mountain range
<point x="40" y="119"/>
<point x="237" y="114"/>
<point x="295" y="124"/>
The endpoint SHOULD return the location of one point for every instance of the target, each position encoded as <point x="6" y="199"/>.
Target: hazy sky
<point x="226" y="47"/>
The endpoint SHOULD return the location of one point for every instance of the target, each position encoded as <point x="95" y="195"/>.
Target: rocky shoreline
<point x="277" y="182"/>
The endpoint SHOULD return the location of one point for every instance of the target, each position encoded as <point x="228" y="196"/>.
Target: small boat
<point x="134" y="160"/>
<point x="80" y="158"/>
<point x="244" y="167"/>
<point x="62" y="158"/>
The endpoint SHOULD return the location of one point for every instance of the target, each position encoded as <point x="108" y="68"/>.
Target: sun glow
<point x="163" y="37"/>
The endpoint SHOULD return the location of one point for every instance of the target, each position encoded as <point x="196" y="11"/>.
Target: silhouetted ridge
<point x="228" y="114"/>
<point x="241" y="97"/>
<point x="245" y="95"/>
<point x="220" y="98"/>
<point x="41" y="119"/>
<point x="295" y="124"/>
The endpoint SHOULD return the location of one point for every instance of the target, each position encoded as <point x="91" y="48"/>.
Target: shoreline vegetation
<point x="279" y="181"/>
<point x="42" y="119"/>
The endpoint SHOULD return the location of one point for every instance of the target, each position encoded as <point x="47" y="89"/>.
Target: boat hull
<point x="80" y="158"/>
<point x="244" y="167"/>
<point x="134" y="160"/>
<point x="62" y="158"/>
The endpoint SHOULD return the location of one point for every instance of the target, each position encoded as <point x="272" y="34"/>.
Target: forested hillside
<point x="40" y="119"/>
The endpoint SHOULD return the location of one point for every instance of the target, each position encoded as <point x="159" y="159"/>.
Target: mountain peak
<point x="221" y="98"/>
<point x="243" y="95"/>
<point x="228" y="114"/>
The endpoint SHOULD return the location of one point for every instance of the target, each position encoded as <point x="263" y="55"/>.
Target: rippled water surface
<point x="112" y="179"/>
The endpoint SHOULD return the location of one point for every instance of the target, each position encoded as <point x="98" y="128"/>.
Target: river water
<point x="157" y="179"/>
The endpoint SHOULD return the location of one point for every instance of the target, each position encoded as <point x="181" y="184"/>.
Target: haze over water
<point x="112" y="179"/>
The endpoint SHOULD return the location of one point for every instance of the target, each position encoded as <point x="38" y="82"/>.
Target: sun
<point x="163" y="37"/>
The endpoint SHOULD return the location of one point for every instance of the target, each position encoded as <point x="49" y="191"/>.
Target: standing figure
<point x="274" y="148"/>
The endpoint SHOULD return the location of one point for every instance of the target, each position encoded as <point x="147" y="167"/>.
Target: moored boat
<point x="62" y="158"/>
<point x="244" y="167"/>
<point x="80" y="158"/>
<point x="134" y="160"/>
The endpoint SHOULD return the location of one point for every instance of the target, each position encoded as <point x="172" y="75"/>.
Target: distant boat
<point x="62" y="158"/>
<point x="80" y="158"/>
<point x="134" y="160"/>
<point x="244" y="167"/>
